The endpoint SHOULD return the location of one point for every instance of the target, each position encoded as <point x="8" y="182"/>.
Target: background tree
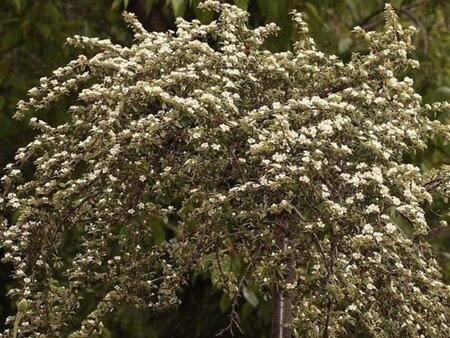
<point x="330" y="22"/>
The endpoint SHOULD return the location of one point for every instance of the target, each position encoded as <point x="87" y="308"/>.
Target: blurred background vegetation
<point x="32" y="43"/>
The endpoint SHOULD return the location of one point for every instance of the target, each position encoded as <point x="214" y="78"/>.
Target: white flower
<point x="115" y="150"/>
<point x="379" y="100"/>
<point x="367" y="229"/>
<point x="352" y="307"/>
<point x="378" y="236"/>
<point x="349" y="200"/>
<point x="224" y="127"/>
<point x="317" y="165"/>
<point x="326" y="127"/>
<point x="390" y="228"/>
<point x="15" y="172"/>
<point x="304" y="179"/>
<point x="290" y="286"/>
<point x="279" y="157"/>
<point x="372" y="208"/>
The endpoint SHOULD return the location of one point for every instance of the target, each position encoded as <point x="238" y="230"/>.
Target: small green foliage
<point x="22" y="305"/>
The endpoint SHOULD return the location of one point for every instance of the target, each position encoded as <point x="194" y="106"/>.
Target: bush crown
<point x="205" y="133"/>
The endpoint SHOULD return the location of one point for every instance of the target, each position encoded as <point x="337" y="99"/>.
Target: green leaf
<point x="243" y="4"/>
<point x="158" y="227"/>
<point x="441" y="94"/>
<point x="43" y="29"/>
<point x="396" y="3"/>
<point x="313" y="10"/>
<point x="179" y="7"/>
<point x="22" y="305"/>
<point x="52" y="11"/>
<point x="250" y="296"/>
<point x="18" y="5"/>
<point x="247" y="310"/>
<point x="11" y="38"/>
<point x="159" y="235"/>
<point x="206" y="260"/>
<point x="205" y="16"/>
<point x="116" y="5"/>
<point x="351" y="5"/>
<point x="236" y="265"/>
<point x="269" y="9"/>
<point x="224" y="303"/>
<point x="2" y="101"/>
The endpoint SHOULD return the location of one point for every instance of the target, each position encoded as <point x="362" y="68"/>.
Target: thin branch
<point x="367" y="19"/>
<point x="433" y="184"/>
<point x="71" y="211"/>
<point x="234" y="317"/>
<point x="327" y="320"/>
<point x="439" y="229"/>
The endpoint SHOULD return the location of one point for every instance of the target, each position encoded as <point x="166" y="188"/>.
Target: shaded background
<point x="32" y="43"/>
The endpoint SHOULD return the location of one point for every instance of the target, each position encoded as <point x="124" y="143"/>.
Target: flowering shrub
<point x="292" y="161"/>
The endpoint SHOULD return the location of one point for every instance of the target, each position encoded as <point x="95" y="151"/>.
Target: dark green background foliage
<point x="32" y="43"/>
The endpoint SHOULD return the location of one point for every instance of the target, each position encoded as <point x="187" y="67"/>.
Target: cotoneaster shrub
<point x="235" y="147"/>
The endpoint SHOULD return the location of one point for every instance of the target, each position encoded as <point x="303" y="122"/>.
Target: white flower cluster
<point x="223" y="145"/>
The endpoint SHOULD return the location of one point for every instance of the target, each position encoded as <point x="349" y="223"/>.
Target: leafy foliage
<point x="230" y="147"/>
<point x="330" y="22"/>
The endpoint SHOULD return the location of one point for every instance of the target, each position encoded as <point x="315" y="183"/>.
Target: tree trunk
<point x="282" y="303"/>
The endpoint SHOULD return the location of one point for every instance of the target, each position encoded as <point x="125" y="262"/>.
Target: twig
<point x="71" y="211"/>
<point x="234" y="317"/>
<point x="433" y="231"/>
<point x="433" y="184"/>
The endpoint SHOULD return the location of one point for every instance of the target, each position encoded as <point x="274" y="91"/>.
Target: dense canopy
<point x="234" y="148"/>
